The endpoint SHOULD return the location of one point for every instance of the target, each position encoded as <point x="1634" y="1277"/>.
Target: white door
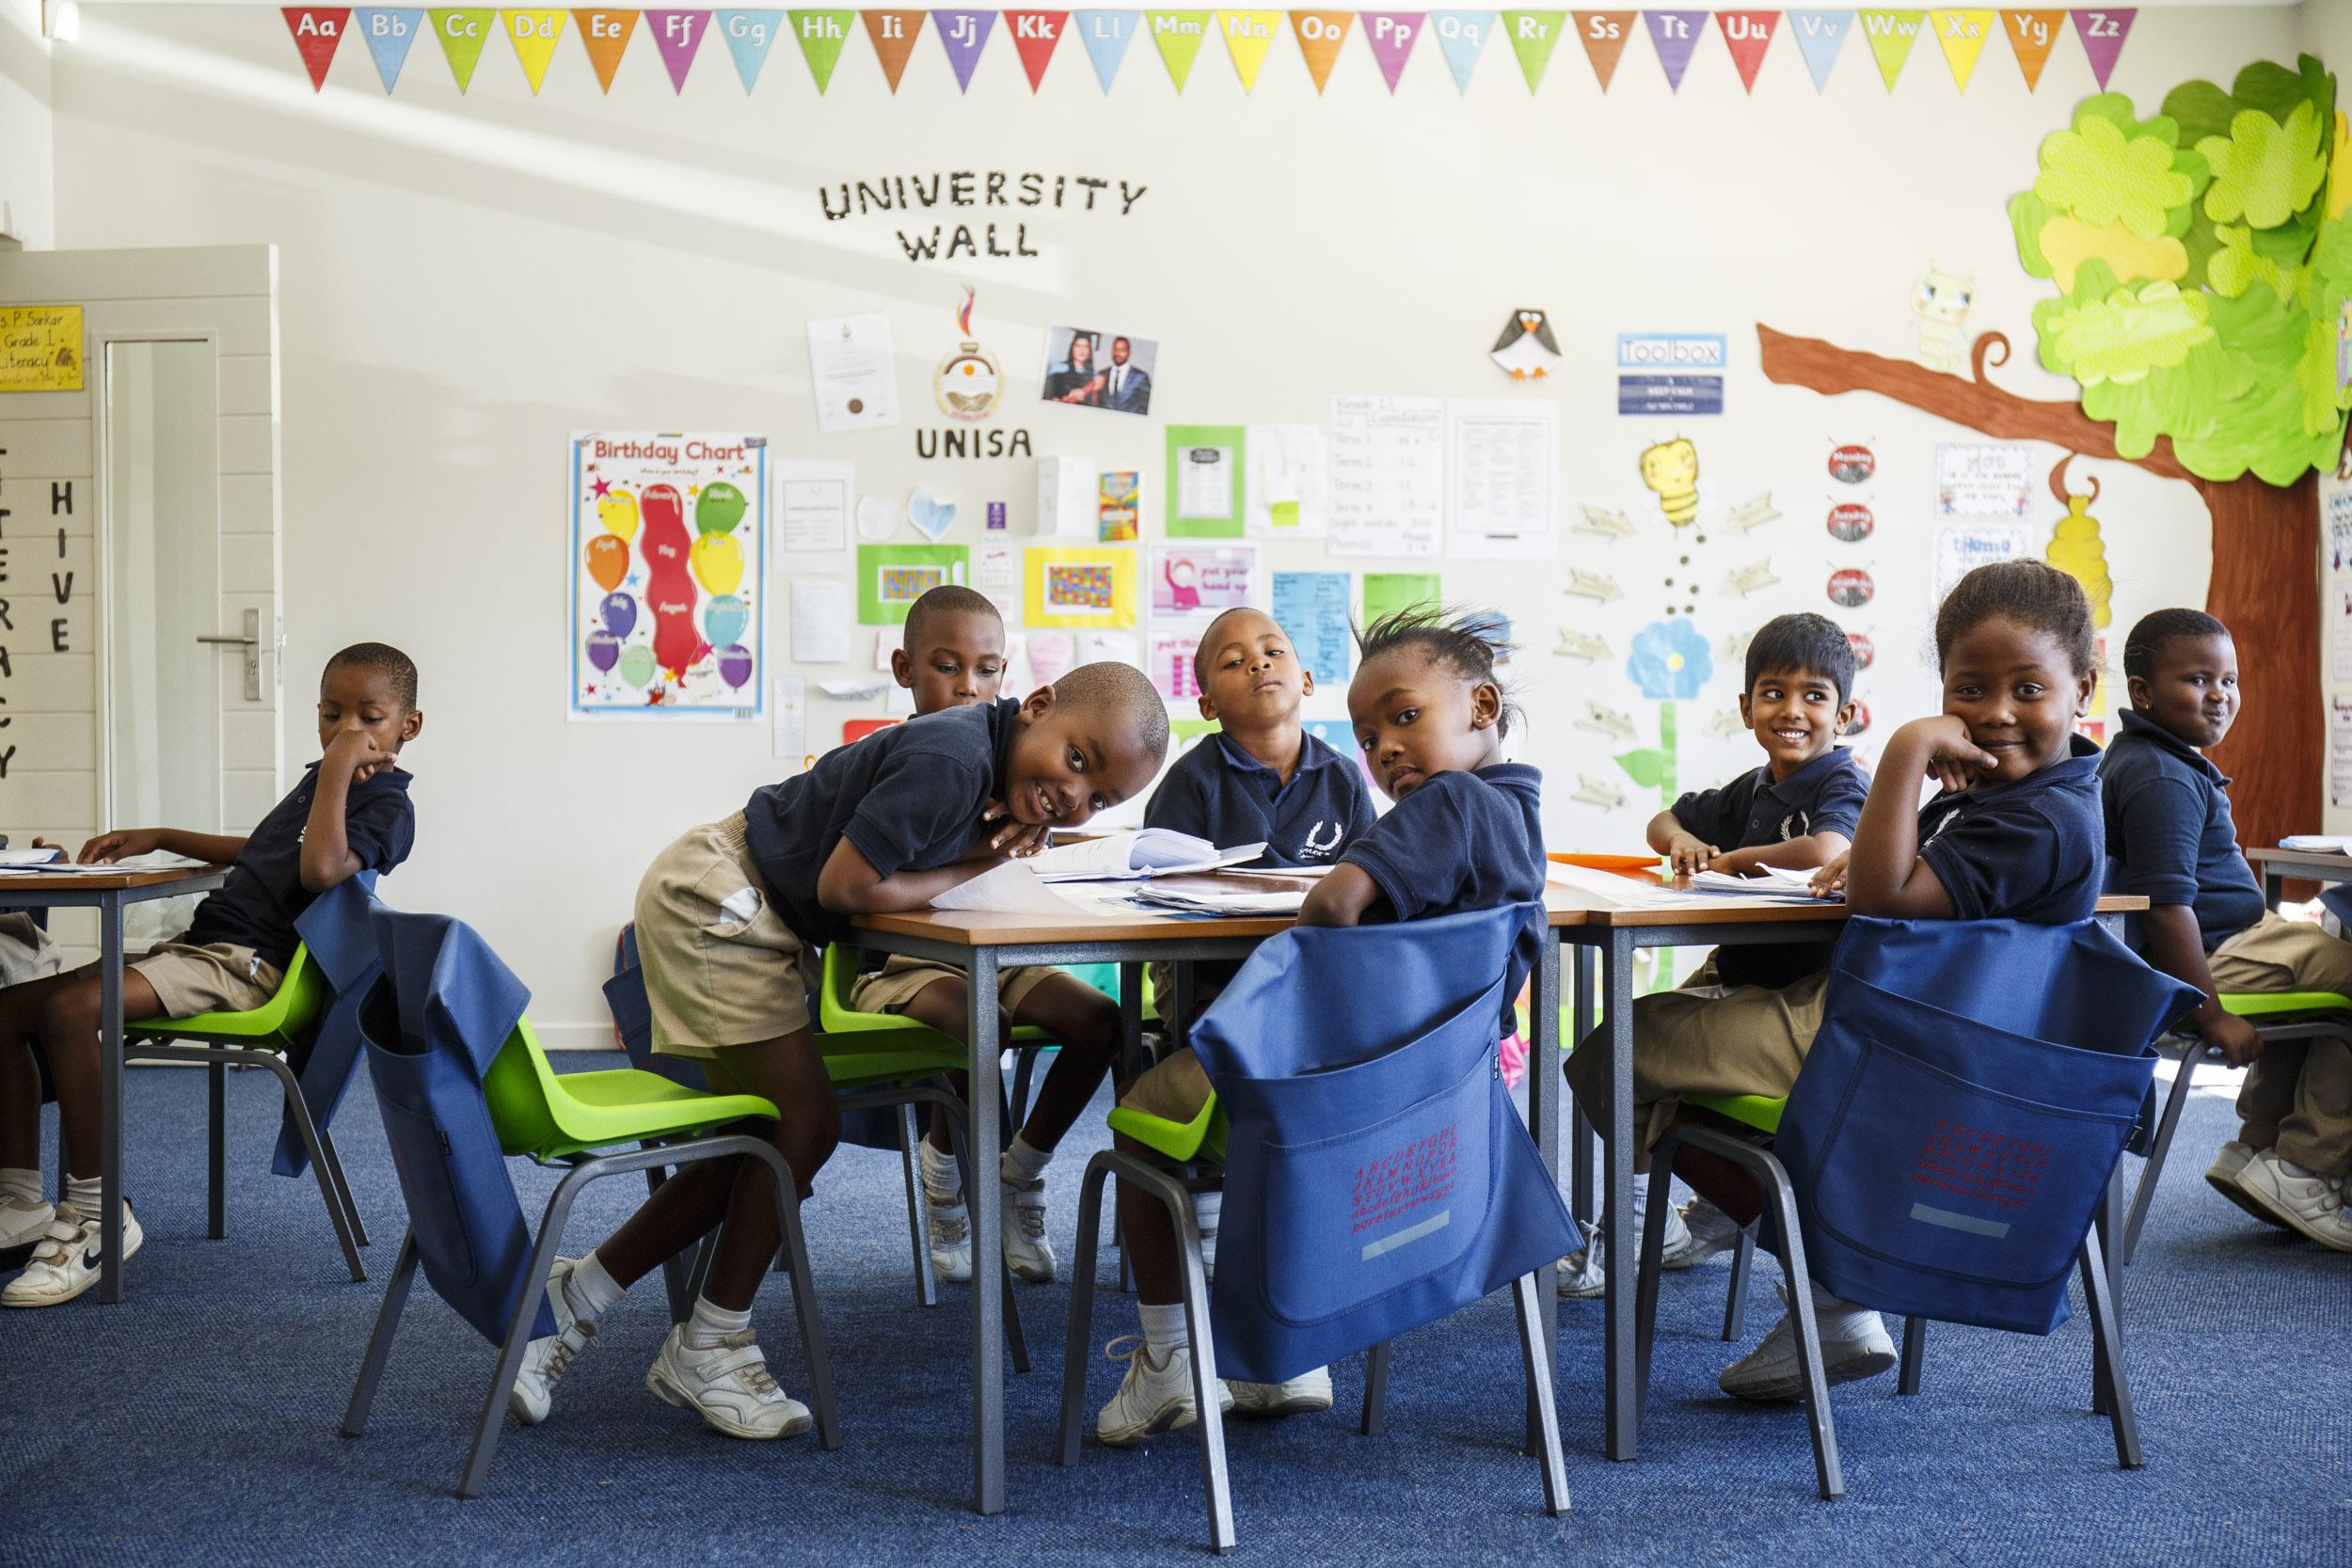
<point x="138" y="552"/>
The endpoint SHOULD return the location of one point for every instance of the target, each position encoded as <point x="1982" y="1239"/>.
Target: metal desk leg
<point x="109" y="1097"/>
<point x="1580" y="1141"/>
<point x="1130" y="1024"/>
<point x="986" y="1067"/>
<point x="1620" y="1404"/>
<point x="1544" y="1089"/>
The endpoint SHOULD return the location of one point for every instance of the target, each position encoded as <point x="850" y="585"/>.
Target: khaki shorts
<point x="1209" y="977"/>
<point x="214" y="977"/>
<point x="902" y="979"/>
<point x="721" y="967"/>
<point x="1746" y="1040"/>
<point x="1174" y="1090"/>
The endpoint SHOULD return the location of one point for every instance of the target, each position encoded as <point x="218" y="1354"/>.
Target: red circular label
<point x="1852" y="465"/>
<point x="1851" y="587"/>
<point x="1861" y="720"/>
<point x="1863" y="651"/>
<point x="1851" y="522"/>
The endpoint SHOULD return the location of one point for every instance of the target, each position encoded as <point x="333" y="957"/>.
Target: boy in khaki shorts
<point x="349" y="814"/>
<point x="732" y="922"/>
<point x="953" y="656"/>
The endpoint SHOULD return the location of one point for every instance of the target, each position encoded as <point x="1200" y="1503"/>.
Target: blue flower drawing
<point x="1670" y="661"/>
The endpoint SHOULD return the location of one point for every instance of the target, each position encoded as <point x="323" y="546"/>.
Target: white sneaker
<point x="1855" y="1345"/>
<point x="1302" y="1395"/>
<point x="21" y="1224"/>
<point x="66" y="1259"/>
<point x="1153" y="1397"/>
<point x="951" y="1240"/>
<point x="1027" y="1252"/>
<point x="1585" y="1274"/>
<point x="544" y="1359"/>
<point x="2223" y="1177"/>
<point x="728" y="1384"/>
<point x="2311" y="1204"/>
<point x="1712" y="1231"/>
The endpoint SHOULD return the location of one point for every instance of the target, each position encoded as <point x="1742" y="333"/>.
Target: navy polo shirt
<point x="256" y="907"/>
<point x="2169" y="825"/>
<point x="910" y="797"/>
<point x="1462" y="841"/>
<point x="1825" y="795"/>
<point x="2035" y="850"/>
<point x="1221" y="793"/>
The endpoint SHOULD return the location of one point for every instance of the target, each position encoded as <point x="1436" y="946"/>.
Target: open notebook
<point x="1120" y="856"/>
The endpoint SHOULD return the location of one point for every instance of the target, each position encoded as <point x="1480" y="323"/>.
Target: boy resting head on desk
<point x="350" y="813"/>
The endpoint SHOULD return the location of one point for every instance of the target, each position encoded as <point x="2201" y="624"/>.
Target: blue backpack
<point x="1377" y="1175"/>
<point x="1963" y="1108"/>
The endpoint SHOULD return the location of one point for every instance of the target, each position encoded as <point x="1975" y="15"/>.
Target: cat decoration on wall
<point x="1939" y="314"/>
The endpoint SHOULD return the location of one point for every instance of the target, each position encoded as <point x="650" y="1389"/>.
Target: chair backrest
<point x="519" y="1090"/>
<point x="301" y="997"/>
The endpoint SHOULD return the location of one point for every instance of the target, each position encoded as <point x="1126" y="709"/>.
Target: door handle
<point x="251" y="643"/>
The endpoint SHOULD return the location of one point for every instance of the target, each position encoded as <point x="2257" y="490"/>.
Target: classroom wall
<point x="2325" y="29"/>
<point x="468" y="281"/>
<point x="27" y="207"/>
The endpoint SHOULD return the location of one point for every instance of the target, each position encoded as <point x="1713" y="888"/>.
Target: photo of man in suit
<point x="1079" y="371"/>
<point x="1127" y="386"/>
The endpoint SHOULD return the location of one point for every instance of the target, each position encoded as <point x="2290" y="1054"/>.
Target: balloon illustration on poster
<point x="667" y="536"/>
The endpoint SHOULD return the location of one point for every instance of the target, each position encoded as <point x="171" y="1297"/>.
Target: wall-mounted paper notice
<point x="813" y="506"/>
<point x="1312" y="608"/>
<point x="1289" y="493"/>
<point x="999" y="567"/>
<point x="2338" y="599"/>
<point x="1960" y="548"/>
<point x="1388" y="476"/>
<point x="791" y="742"/>
<point x="2340" y="750"/>
<point x="1983" y="479"/>
<point x="1068" y="498"/>
<point x="857" y="386"/>
<point x="1205" y="467"/>
<point x="1502" y="488"/>
<point x="820" y="621"/>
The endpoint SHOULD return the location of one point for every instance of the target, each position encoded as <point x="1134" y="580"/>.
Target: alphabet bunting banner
<point x="1463" y="36"/>
<point x="1390" y="34"/>
<point x="1177" y="35"/>
<point x="1890" y="35"/>
<point x="1604" y="34"/>
<point x="318" y="30"/>
<point x="749" y="36"/>
<point x="605" y="36"/>
<point x="1820" y="35"/>
<point x="534" y="34"/>
<point x="462" y="34"/>
<point x="1247" y="37"/>
<point x="1033" y="35"/>
<point x="963" y="35"/>
<point x="1747" y="35"/>
<point x="1674" y="35"/>
<point x="1963" y="36"/>
<point x="388" y="34"/>
<point x="821" y="35"/>
<point x="2102" y="32"/>
<point x="1533" y="35"/>
<point x="1319" y="34"/>
<point x="1107" y="34"/>
<point x="2032" y="35"/>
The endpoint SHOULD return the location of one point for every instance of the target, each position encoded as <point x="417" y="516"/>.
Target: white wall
<point x="2324" y="27"/>
<point x="27" y="206"/>
<point x="465" y="281"/>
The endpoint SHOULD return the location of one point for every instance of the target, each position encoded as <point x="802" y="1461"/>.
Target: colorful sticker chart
<point x="890" y="577"/>
<point x="1081" y="586"/>
<point x="667" y="546"/>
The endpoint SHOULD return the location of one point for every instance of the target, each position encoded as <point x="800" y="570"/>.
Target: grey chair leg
<point x="510" y="1361"/>
<point x="1914" y="1356"/>
<point x="1375" y="1388"/>
<point x="1535" y="1355"/>
<point x="2106" y="1346"/>
<point x="918" y="1219"/>
<point x="1023" y="1069"/>
<point x="380" y="1343"/>
<point x="342" y="1184"/>
<point x="330" y="1190"/>
<point x="216" y="1149"/>
<point x="1736" y="1298"/>
<point x="814" y="1357"/>
<point x="2159" y="1148"/>
<point x="1808" y="1338"/>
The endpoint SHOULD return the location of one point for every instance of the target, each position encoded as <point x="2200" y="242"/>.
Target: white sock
<point x="942" y="1178"/>
<point x="1022" y="1164"/>
<point x="591" y="1289"/>
<point x="1641" y="1202"/>
<point x="21" y="1184"/>
<point x="81" y="1192"/>
<point x="1164" y="1329"/>
<point x="1832" y="1313"/>
<point x="1206" y="1210"/>
<point x="2301" y="1172"/>
<point x="711" y="1325"/>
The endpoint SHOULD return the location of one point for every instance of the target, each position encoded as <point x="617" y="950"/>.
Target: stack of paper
<point x="2319" y="843"/>
<point x="1235" y="894"/>
<point x="21" y="860"/>
<point x="1772" y="882"/>
<point x="1153" y="852"/>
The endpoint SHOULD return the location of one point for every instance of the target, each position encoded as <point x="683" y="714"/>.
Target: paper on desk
<point x="19" y="860"/>
<point x="2324" y="843"/>
<point x="1772" y="884"/>
<point x="1011" y="888"/>
<point x="1222" y="893"/>
<point x="1153" y="852"/>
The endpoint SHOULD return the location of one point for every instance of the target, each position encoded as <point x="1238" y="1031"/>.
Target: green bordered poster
<point x="1386" y="593"/>
<point x="1205" y="466"/>
<point x="890" y="577"/>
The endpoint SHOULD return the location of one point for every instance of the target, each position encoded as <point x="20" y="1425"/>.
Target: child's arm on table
<point x="123" y="843"/>
<point x="849" y="884"/>
<point x="1796" y="854"/>
<point x="1688" y="851"/>
<point x="1338" y="898"/>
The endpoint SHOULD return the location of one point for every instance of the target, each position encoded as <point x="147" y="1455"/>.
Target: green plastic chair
<point x="264" y="1037"/>
<point x="570" y="1120"/>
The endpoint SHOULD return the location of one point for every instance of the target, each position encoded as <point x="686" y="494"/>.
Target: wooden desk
<point x="2277" y="867"/>
<point x="983" y="944"/>
<point x="1591" y="924"/>
<point x="107" y="892"/>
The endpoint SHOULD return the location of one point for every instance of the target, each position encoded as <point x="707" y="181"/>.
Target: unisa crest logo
<point x="966" y="383"/>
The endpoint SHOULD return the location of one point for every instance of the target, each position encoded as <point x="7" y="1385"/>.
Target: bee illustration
<point x="1671" y="470"/>
<point x="1939" y="311"/>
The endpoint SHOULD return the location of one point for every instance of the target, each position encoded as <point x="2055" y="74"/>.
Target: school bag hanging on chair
<point x="1962" y="1109"/>
<point x="1377" y="1175"/>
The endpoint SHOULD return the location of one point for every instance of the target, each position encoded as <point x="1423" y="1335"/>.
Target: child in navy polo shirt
<point x="953" y="656"/>
<point x="732" y="922"/>
<point x="349" y="814"/>
<point x="1799" y="811"/>
<point x="2170" y="833"/>
<point x="1466" y="833"/>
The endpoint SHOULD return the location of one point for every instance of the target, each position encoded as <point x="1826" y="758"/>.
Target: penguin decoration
<point x="1526" y="348"/>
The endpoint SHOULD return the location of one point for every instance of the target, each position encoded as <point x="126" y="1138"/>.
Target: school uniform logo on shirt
<point x="1795" y="825"/>
<point x="1311" y="849"/>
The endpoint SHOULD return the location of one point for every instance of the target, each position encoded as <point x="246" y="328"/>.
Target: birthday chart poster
<point x="667" y="532"/>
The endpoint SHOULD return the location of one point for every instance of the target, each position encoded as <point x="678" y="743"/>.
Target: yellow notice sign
<point x="40" y="348"/>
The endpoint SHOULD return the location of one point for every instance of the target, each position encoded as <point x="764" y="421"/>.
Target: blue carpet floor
<point x="196" y="1421"/>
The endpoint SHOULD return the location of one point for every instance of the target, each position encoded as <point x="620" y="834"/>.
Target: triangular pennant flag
<point x="1820" y="35"/>
<point x="1533" y="35"/>
<point x="1604" y="34"/>
<point x="535" y="34"/>
<point x="963" y="35"/>
<point x="1674" y="35"/>
<point x="1034" y="34"/>
<point x="750" y="35"/>
<point x="1390" y="34"/>
<point x="1319" y="34"/>
<point x="605" y="36"/>
<point x="2102" y="34"/>
<point x="1747" y="35"/>
<point x="821" y="35"/>
<point x="678" y="35"/>
<point x="317" y="31"/>
<point x="1962" y="34"/>
<point x="388" y="34"/>
<point x="1890" y="35"/>
<point x="1247" y="37"/>
<point x="462" y="34"/>
<point x="893" y="35"/>
<point x="2031" y="34"/>
<point x="1463" y="36"/>
<point x="1106" y="36"/>
<point x="1177" y="35"/>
